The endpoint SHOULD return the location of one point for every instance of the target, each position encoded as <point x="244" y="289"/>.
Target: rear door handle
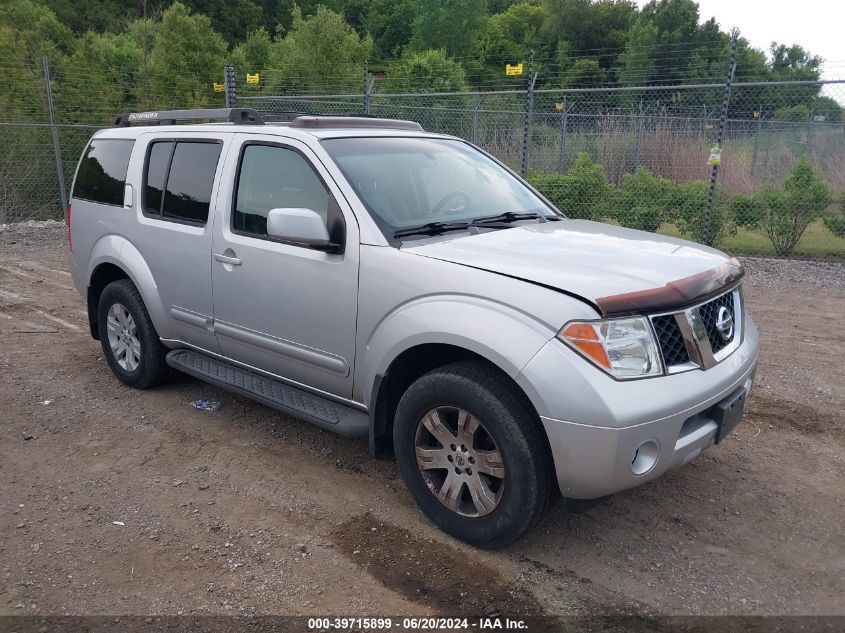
<point x="226" y="259"/>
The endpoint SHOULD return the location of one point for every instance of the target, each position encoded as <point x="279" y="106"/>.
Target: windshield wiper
<point x="431" y="228"/>
<point x="507" y="217"/>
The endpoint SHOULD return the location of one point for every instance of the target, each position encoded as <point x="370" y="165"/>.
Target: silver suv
<point x="406" y="287"/>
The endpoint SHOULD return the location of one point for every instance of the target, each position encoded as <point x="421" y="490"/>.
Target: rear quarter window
<point x="101" y="176"/>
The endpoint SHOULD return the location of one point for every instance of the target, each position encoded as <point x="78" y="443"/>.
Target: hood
<point x="618" y="270"/>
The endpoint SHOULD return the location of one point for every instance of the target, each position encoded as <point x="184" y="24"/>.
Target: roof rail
<point x="239" y="116"/>
<point x="353" y="121"/>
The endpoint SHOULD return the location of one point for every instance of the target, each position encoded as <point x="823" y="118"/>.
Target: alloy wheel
<point x="459" y="461"/>
<point x="123" y="337"/>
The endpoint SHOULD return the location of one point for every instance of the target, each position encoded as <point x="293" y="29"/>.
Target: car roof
<point x="270" y="129"/>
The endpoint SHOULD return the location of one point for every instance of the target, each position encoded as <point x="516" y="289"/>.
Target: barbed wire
<point x="588" y="147"/>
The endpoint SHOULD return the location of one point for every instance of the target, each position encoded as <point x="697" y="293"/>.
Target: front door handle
<point x="227" y="259"/>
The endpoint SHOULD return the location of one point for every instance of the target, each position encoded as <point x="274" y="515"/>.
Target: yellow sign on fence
<point x="516" y="69"/>
<point x="252" y="79"/>
<point x="560" y="106"/>
<point x="219" y="87"/>
<point x="715" y="155"/>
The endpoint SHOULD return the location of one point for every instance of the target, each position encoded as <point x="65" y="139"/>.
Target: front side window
<point x="274" y="177"/>
<point x="406" y="182"/>
<point x="179" y="178"/>
<point x="101" y="176"/>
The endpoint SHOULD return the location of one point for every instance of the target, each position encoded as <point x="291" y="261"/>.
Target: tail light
<point x="69" y="238"/>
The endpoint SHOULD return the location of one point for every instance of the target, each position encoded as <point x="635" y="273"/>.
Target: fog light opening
<point x="645" y="457"/>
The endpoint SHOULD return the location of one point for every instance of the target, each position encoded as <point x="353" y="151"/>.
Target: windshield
<point x="407" y="182"/>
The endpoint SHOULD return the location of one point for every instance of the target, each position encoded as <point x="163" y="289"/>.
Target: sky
<point x="817" y="25"/>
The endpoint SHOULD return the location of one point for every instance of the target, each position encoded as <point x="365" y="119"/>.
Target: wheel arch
<point x="114" y="257"/>
<point x="407" y="367"/>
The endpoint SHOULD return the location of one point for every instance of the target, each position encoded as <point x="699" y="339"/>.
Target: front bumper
<point x="608" y="436"/>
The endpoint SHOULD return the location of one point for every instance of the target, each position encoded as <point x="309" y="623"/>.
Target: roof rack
<point x="238" y="116"/>
<point x="353" y="121"/>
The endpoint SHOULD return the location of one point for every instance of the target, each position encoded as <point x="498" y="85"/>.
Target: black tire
<point x="151" y="369"/>
<point x="529" y="485"/>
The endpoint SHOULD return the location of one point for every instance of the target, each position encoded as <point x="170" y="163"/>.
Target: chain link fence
<point x="636" y="156"/>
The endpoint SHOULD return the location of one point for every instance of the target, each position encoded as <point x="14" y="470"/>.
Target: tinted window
<point x="102" y="171"/>
<point x="184" y="191"/>
<point x="156" y="175"/>
<point x="272" y="178"/>
<point x="189" y="184"/>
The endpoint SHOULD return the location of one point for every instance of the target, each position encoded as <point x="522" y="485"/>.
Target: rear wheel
<point x="130" y="342"/>
<point x="472" y="454"/>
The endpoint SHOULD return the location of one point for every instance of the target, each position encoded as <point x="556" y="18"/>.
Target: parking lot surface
<point x="116" y="501"/>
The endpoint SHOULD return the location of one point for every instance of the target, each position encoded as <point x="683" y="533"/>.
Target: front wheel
<point x="473" y="456"/>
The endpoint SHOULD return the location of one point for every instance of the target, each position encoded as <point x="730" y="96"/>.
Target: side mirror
<point x="302" y="226"/>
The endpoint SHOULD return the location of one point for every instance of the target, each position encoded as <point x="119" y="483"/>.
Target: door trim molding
<point x="183" y="315"/>
<point x="265" y="342"/>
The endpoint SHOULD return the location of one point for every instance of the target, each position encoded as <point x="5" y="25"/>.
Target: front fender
<point x="117" y="250"/>
<point x="506" y="337"/>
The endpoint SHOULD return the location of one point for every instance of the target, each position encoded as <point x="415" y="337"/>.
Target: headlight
<point x="624" y="348"/>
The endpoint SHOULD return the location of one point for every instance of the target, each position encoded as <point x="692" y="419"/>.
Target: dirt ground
<point x="116" y="501"/>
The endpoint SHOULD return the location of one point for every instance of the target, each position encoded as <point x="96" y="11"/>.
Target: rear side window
<point x="178" y="180"/>
<point x="101" y="176"/>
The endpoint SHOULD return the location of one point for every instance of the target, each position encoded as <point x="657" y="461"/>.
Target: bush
<point x="784" y="214"/>
<point x="645" y="200"/>
<point x="689" y="208"/>
<point x="582" y="192"/>
<point x="797" y="113"/>
<point x="747" y="211"/>
<point x="836" y="223"/>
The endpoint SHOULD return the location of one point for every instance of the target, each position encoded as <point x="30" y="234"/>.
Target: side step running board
<point x="300" y="404"/>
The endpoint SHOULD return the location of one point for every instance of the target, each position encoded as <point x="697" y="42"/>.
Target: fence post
<point x="474" y="133"/>
<point x="714" y="169"/>
<point x="561" y="153"/>
<point x="60" y="172"/>
<point x="231" y="91"/>
<point x="639" y="135"/>
<point x="529" y="110"/>
<point x="368" y="88"/>
<point x="759" y="114"/>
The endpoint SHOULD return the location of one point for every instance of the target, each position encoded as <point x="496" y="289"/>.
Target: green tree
<point x="828" y="108"/>
<point x="100" y="79"/>
<point x="676" y="23"/>
<point x="514" y="33"/>
<point x="82" y="16"/>
<point x="320" y="53"/>
<point x="233" y="19"/>
<point x="637" y="64"/>
<point x="187" y="57"/>
<point x="508" y="38"/>
<point x="797" y="113"/>
<point x="426" y="71"/>
<point x="37" y="30"/>
<point x="253" y="54"/>
<point x="453" y="25"/>
<point x="390" y="23"/>
<point x="600" y="28"/>
<point x="585" y="73"/>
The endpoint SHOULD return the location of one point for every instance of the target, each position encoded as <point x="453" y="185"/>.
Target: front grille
<point x="671" y="340"/>
<point x="709" y="313"/>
